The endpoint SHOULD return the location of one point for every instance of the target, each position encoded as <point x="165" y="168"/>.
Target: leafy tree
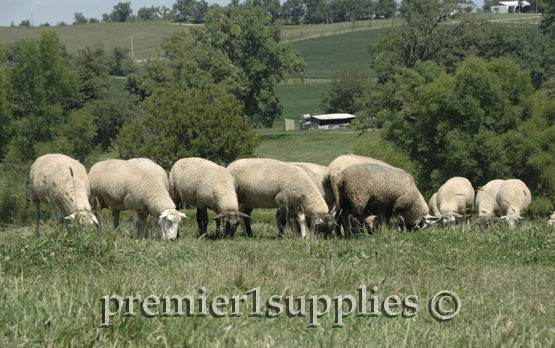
<point x="93" y="71"/>
<point x="120" y="62"/>
<point x="178" y="124"/>
<point x="293" y="9"/>
<point x="121" y="12"/>
<point x="149" y="14"/>
<point x="547" y="23"/>
<point x="386" y="8"/>
<point x="25" y="23"/>
<point x="110" y="112"/>
<point x="191" y="64"/>
<point x="251" y="41"/>
<point x="44" y="24"/>
<point x="201" y="7"/>
<point x="93" y="20"/>
<point x="273" y="8"/>
<point x="6" y="118"/>
<point x="314" y="11"/>
<point x="421" y="37"/>
<point x="44" y="89"/>
<point x="347" y="86"/>
<point x="185" y="8"/>
<point x="79" y="18"/>
<point x="61" y="24"/>
<point x="457" y="125"/>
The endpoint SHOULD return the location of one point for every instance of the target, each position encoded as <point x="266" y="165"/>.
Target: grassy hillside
<point x="147" y="36"/>
<point x="324" y="55"/>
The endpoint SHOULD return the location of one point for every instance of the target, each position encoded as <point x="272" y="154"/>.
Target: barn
<point x="510" y="7"/>
<point x="331" y="121"/>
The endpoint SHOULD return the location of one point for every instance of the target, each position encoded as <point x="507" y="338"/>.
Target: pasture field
<point x="314" y="146"/>
<point x="51" y="286"/>
<point x="298" y="99"/>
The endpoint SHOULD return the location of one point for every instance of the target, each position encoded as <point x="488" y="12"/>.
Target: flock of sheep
<point x="352" y="192"/>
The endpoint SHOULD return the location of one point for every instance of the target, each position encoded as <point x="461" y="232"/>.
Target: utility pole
<point x="132" y="46"/>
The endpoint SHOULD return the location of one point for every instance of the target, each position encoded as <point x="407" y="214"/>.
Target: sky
<point x="55" y="11"/>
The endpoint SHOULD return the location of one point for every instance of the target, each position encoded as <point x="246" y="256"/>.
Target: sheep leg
<point x="136" y="223"/>
<point x="302" y="221"/>
<point x="115" y="213"/>
<point x="218" y="223"/>
<point x="338" y="217"/>
<point x="37" y="218"/>
<point x="281" y="219"/>
<point x="202" y="220"/>
<point x="152" y="225"/>
<point x="246" y="223"/>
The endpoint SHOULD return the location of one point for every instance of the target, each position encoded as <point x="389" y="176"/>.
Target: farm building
<point x="466" y="8"/>
<point x="510" y="7"/>
<point x="330" y="121"/>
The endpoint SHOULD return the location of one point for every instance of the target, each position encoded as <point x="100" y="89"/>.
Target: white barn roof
<point x="334" y="117"/>
<point x="511" y="3"/>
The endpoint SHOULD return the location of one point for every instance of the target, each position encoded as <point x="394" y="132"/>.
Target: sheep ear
<point x="318" y="220"/>
<point x="95" y="220"/>
<point x="219" y="216"/>
<point x="243" y="215"/>
<point x="164" y="214"/>
<point x="431" y="218"/>
<point x="457" y="215"/>
<point x="182" y="215"/>
<point x="70" y="217"/>
<point x="519" y="218"/>
<point x="506" y="218"/>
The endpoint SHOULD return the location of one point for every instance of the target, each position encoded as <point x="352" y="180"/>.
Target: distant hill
<point x="147" y="36"/>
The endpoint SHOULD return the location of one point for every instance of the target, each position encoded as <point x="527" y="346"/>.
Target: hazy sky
<point x="54" y="11"/>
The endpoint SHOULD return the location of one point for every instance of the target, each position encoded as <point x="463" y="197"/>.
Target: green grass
<point x="315" y="146"/>
<point x="503" y="277"/>
<point x="325" y="55"/>
<point x="298" y="99"/>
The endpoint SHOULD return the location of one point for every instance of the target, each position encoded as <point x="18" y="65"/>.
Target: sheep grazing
<point x="121" y="185"/>
<point x="61" y="182"/>
<point x="433" y="206"/>
<point x="486" y="202"/>
<point x="455" y="200"/>
<point x="513" y="199"/>
<point x="147" y="163"/>
<point x="342" y="162"/>
<point x="268" y="183"/>
<point x="368" y="188"/>
<point x="205" y="184"/>
<point x="316" y="173"/>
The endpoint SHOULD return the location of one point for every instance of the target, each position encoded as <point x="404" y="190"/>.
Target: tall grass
<point x="51" y="286"/>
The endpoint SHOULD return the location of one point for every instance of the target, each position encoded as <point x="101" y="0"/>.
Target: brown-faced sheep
<point x="205" y="184"/>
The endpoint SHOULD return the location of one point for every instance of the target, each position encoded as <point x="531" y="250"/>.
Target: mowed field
<point x="51" y="287"/>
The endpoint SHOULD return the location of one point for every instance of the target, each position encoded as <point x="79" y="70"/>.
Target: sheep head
<point x="169" y="222"/>
<point x="449" y="218"/>
<point x="232" y="218"/>
<point x="85" y="219"/>
<point x="512" y="219"/>
<point x="323" y="223"/>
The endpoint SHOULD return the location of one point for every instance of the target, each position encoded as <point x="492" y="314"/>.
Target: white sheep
<point x="147" y="163"/>
<point x="486" y="202"/>
<point x="205" y="184"/>
<point x="433" y="206"/>
<point x="513" y="199"/>
<point x="316" y="173"/>
<point x="61" y="182"/>
<point x="455" y="200"/>
<point x="367" y="188"/>
<point x="121" y="185"/>
<point x="551" y="220"/>
<point x="268" y="183"/>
